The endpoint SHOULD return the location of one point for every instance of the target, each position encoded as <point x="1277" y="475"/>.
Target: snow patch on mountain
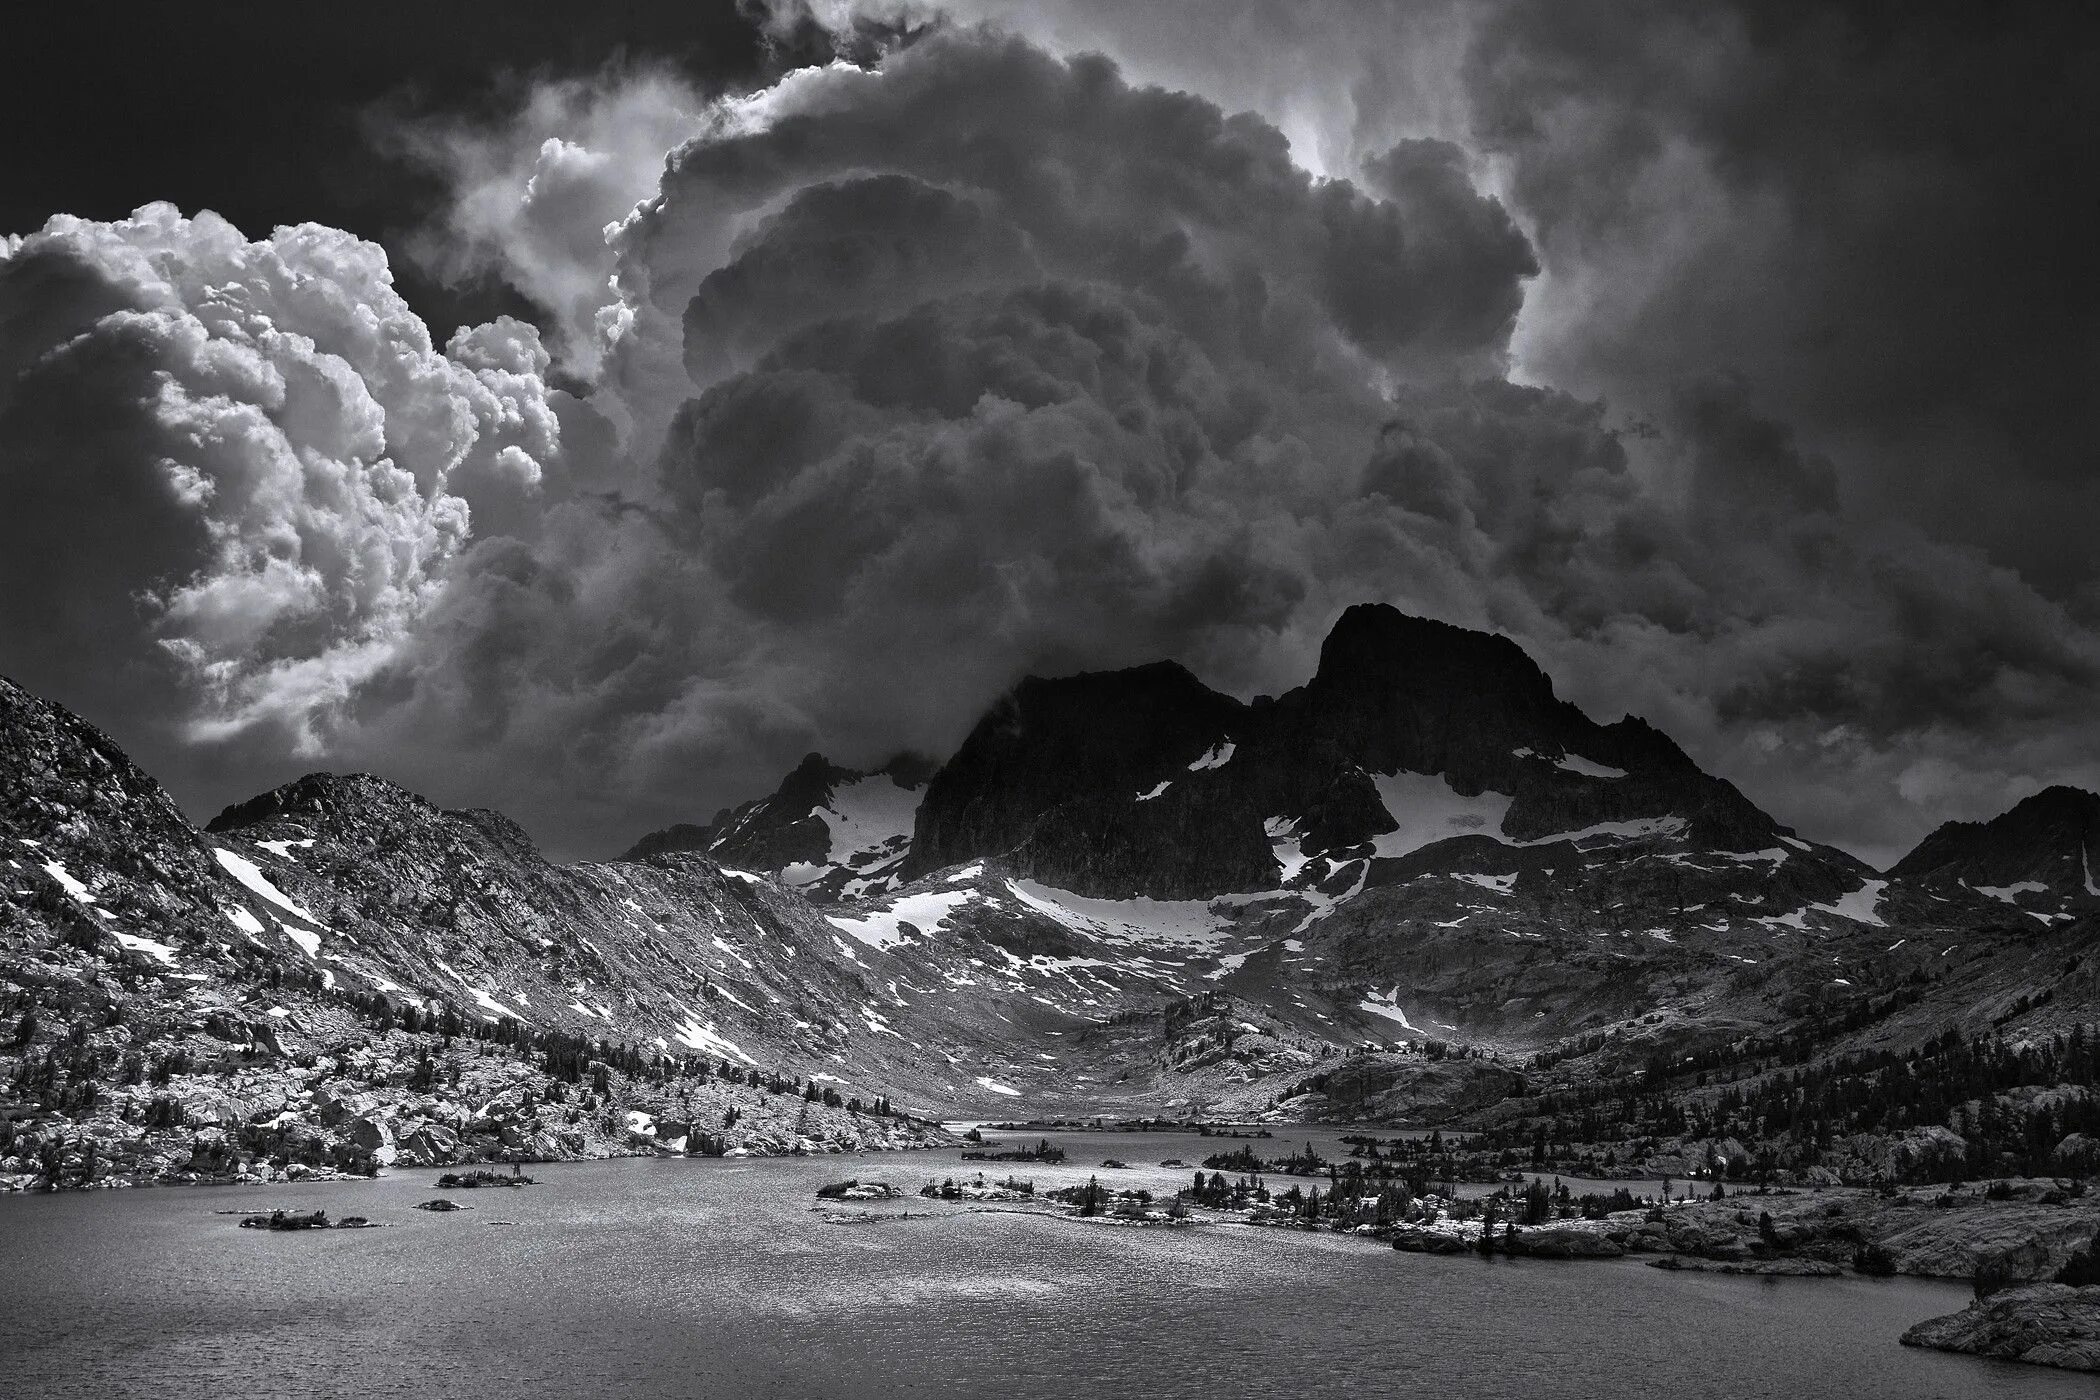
<point x="156" y="950"/>
<point x="1573" y="763"/>
<point x="1500" y="884"/>
<point x="885" y="928"/>
<point x="1217" y="757"/>
<point x="1144" y="921"/>
<point x="489" y="1003"/>
<point x="868" y="817"/>
<point x="1387" y="1005"/>
<point x="1640" y="828"/>
<point x="1861" y="906"/>
<point x="1287" y="845"/>
<point x="245" y="871"/>
<point x="695" y="1036"/>
<point x="1428" y="809"/>
<point x="57" y="871"/>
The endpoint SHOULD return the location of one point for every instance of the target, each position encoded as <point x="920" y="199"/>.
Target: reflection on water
<point x="676" y="1278"/>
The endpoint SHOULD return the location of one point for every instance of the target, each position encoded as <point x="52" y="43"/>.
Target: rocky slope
<point x="340" y="973"/>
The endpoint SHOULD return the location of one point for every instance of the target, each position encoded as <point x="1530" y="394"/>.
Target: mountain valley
<point x="1418" y="890"/>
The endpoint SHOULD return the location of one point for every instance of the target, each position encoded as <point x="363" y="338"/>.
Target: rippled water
<point x="698" y="1278"/>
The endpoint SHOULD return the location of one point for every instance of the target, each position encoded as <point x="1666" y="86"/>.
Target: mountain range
<point x="1420" y="875"/>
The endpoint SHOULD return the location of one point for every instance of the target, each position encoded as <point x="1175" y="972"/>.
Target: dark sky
<point x="1736" y="358"/>
<point x="263" y="112"/>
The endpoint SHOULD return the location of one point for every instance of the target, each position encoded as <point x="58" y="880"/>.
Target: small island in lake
<point x="305" y="1220"/>
<point x="482" y="1176"/>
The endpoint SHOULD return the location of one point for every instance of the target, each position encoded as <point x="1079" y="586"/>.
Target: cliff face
<point x="1085" y="783"/>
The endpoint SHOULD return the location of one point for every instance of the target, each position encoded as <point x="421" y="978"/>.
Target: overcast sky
<point x="585" y="412"/>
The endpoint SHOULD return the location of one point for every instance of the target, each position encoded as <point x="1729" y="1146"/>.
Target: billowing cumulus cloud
<point x="897" y="383"/>
<point x="530" y="196"/>
<point x="235" y="471"/>
<point x="983" y="363"/>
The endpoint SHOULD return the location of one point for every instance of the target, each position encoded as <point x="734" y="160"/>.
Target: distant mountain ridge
<point x="2042" y="855"/>
<point x="1417" y="747"/>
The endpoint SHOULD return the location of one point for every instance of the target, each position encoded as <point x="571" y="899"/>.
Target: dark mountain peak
<point x="826" y="829"/>
<point x="1632" y="742"/>
<point x="1154" y="685"/>
<point x="320" y="798"/>
<point x="1396" y="692"/>
<point x="1101" y="723"/>
<point x="1056" y="767"/>
<point x="2059" y="800"/>
<point x="1377" y="644"/>
<point x="809" y="783"/>
<point x="1145" y="780"/>
<point x="2045" y="847"/>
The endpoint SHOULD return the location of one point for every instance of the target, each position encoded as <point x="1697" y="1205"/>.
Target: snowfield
<point x="1428" y="810"/>
<point x="884" y="928"/>
<point x="1186" y="922"/>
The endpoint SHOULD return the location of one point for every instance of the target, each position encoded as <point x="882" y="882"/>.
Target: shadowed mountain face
<point x="1145" y="782"/>
<point x="2043" y="856"/>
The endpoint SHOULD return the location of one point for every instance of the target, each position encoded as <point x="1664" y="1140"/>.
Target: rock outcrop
<point x="2049" y="1324"/>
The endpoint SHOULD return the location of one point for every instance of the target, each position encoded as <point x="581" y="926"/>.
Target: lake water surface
<point x="719" y="1279"/>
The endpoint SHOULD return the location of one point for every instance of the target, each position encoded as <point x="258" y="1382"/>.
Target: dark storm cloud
<point x="1007" y="365"/>
<point x="1877" y="216"/>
